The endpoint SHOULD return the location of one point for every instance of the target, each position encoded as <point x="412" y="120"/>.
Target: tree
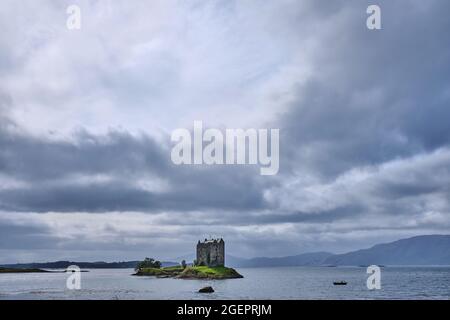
<point x="148" y="263"/>
<point x="183" y="264"/>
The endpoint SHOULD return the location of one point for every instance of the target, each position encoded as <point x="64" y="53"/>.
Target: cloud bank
<point x="86" y="116"/>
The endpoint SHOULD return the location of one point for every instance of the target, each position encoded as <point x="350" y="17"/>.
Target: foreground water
<point x="258" y="283"/>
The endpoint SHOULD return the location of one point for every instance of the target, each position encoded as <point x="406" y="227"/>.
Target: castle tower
<point x="211" y="253"/>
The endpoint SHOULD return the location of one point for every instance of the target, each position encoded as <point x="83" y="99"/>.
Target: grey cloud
<point x="350" y="137"/>
<point x="117" y="196"/>
<point x="49" y="167"/>
<point x="376" y="95"/>
<point x="37" y="159"/>
<point x="13" y="236"/>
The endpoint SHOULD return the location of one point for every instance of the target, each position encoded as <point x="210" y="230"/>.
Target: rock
<point x="206" y="290"/>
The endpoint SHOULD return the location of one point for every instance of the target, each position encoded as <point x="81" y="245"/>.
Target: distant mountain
<point x="420" y="250"/>
<point x="83" y="265"/>
<point x="305" y="259"/>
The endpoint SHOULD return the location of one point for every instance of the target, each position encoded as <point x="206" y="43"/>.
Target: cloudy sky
<point x="86" y="117"/>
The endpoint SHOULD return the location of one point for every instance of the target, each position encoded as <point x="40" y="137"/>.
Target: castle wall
<point x="211" y="253"/>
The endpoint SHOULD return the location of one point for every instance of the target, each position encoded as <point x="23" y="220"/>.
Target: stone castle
<point x="211" y="253"/>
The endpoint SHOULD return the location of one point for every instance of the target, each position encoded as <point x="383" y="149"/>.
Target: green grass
<point x="198" y="272"/>
<point x="152" y="272"/>
<point x="213" y="270"/>
<point x="173" y="268"/>
<point x="203" y="272"/>
<point x="167" y="271"/>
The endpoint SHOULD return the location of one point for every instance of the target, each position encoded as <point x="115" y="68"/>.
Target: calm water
<point x="259" y="283"/>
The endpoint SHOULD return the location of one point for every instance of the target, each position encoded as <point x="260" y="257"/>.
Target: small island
<point x="208" y="265"/>
<point x="193" y="272"/>
<point x="22" y="270"/>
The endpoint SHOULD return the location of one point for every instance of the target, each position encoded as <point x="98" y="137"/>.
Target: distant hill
<point x="83" y="265"/>
<point x="420" y="250"/>
<point x="305" y="259"/>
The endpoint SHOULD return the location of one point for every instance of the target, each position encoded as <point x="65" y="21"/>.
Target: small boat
<point x="340" y="283"/>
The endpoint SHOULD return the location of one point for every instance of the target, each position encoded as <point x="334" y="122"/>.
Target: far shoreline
<point x="33" y="270"/>
<point x="23" y="270"/>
